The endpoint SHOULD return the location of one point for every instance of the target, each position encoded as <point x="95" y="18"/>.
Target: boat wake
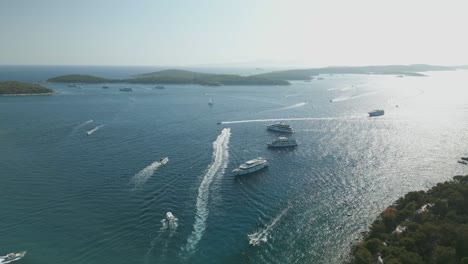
<point x="291" y="95"/>
<point x="90" y="132"/>
<point x="141" y="177"/>
<point x="169" y="224"/>
<point x="288" y="107"/>
<point x="283" y="119"/>
<point x="86" y="122"/>
<point x="216" y="168"/>
<point x="345" y="98"/>
<point x="261" y="235"/>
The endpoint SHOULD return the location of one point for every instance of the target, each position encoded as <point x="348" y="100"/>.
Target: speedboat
<point x="377" y="113"/>
<point x="126" y="89"/>
<point x="170" y="217"/>
<point x="250" y="166"/>
<point x="12" y="257"/>
<point x="281" y="127"/>
<point x="283" y="142"/>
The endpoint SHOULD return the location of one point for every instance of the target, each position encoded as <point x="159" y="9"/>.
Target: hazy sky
<point x="259" y="32"/>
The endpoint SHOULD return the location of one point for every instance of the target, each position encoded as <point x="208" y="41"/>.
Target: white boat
<point x="12" y="257"/>
<point x="281" y="127"/>
<point x="170" y="217"/>
<point x="250" y="166"/>
<point x="210" y="102"/>
<point x="283" y="142"/>
<point x="377" y="113"/>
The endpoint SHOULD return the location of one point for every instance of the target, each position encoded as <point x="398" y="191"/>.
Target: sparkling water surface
<point x="71" y="198"/>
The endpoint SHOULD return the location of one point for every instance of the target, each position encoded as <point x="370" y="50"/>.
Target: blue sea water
<point x="71" y="198"/>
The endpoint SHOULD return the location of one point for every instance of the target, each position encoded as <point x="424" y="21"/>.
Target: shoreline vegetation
<point x="270" y="78"/>
<point x="13" y="88"/>
<point x="421" y="227"/>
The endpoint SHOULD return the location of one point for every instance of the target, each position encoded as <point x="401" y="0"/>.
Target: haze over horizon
<point x="256" y="33"/>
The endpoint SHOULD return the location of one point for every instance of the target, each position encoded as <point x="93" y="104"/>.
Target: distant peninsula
<point x="421" y="227"/>
<point x="21" y="88"/>
<point x="174" y="76"/>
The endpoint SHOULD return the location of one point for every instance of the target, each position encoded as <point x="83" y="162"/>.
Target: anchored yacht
<point x="250" y="166"/>
<point x="283" y="142"/>
<point x="12" y="257"/>
<point x="281" y="127"/>
<point x="377" y="113"/>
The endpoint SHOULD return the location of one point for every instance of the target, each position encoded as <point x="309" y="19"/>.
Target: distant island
<point x="174" y="77"/>
<point x="421" y="227"/>
<point x="20" y="88"/>
<point x="269" y="78"/>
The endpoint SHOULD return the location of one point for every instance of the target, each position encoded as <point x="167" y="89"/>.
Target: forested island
<point x="421" y="227"/>
<point x="21" y="88"/>
<point x="269" y="78"/>
<point x="174" y="77"/>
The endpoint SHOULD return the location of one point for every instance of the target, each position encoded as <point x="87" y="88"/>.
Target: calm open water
<point x="70" y="198"/>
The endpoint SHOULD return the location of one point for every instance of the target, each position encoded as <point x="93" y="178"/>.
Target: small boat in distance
<point x="159" y="87"/>
<point x="126" y="89"/>
<point x="12" y="257"/>
<point x="283" y="142"/>
<point x="250" y="166"/>
<point x="105" y="87"/>
<point x="376" y="113"/>
<point x="170" y="217"/>
<point x="281" y="127"/>
<point x="210" y="102"/>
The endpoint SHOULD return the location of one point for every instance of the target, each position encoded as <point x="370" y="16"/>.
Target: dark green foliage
<point x="175" y="77"/>
<point x="77" y="78"/>
<point x="23" y="88"/>
<point x="438" y="235"/>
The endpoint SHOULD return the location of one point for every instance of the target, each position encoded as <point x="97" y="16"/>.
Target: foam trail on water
<point x="291" y="95"/>
<point x="217" y="167"/>
<point x="90" y="132"/>
<point x="262" y="234"/>
<point x="344" y="98"/>
<point x="87" y="122"/>
<point x="283" y="119"/>
<point x="141" y="177"/>
<point x="288" y="107"/>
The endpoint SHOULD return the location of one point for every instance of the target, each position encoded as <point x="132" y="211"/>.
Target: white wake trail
<point x="288" y="107"/>
<point x="90" y="132"/>
<point x="141" y="177"/>
<point x="217" y="167"/>
<point x="282" y="119"/>
<point x="262" y="234"/>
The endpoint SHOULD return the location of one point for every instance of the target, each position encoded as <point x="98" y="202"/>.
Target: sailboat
<point x="210" y="102"/>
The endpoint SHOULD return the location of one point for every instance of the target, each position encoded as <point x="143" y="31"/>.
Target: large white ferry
<point x="250" y="166"/>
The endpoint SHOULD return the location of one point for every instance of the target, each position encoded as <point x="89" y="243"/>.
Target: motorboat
<point x="210" y="102"/>
<point x="281" y="127"/>
<point x="283" y="142"/>
<point x="126" y="89"/>
<point x="12" y="257"/>
<point x="376" y="113"/>
<point x="250" y="166"/>
<point x="170" y="217"/>
<point x="159" y="87"/>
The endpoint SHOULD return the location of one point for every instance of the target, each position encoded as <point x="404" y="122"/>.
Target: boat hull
<point x="249" y="170"/>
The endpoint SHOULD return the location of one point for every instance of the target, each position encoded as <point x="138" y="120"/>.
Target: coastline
<point x="29" y="94"/>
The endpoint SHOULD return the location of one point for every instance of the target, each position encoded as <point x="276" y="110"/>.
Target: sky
<point x="307" y="33"/>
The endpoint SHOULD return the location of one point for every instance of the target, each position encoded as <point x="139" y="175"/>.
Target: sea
<point x="87" y="175"/>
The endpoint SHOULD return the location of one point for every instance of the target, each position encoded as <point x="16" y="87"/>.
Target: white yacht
<point x="283" y="142"/>
<point x="170" y="217"/>
<point x="377" y="113"/>
<point x="12" y="257"/>
<point x="281" y="127"/>
<point x="210" y="102"/>
<point x="250" y="166"/>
